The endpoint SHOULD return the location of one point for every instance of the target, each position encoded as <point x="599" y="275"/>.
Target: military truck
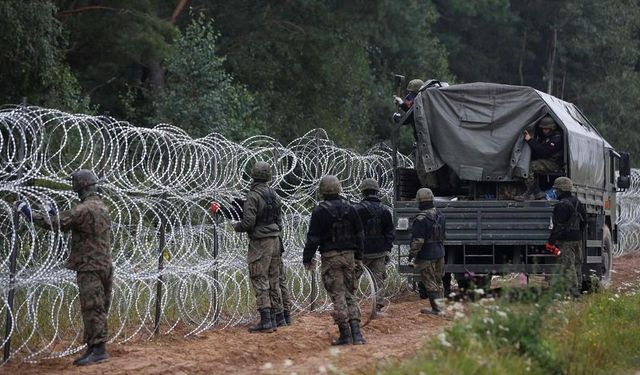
<point x="470" y="150"/>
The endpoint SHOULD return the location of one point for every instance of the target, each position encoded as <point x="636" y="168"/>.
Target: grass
<point x="599" y="334"/>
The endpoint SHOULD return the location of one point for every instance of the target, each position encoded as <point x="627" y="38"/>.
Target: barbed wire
<point x="159" y="182"/>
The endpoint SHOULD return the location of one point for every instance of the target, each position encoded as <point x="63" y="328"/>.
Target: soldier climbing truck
<point x="469" y="149"/>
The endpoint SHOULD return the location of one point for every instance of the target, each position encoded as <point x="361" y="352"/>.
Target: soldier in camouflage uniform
<point x="566" y="234"/>
<point x="90" y="256"/>
<point x="336" y="231"/>
<point x="546" y="156"/>
<point x="427" y="247"/>
<point x="263" y="223"/>
<point x="379" y="234"/>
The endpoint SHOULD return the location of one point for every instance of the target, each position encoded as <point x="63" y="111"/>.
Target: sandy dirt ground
<point x="301" y="349"/>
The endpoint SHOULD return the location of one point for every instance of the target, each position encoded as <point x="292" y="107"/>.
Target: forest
<point x="281" y="68"/>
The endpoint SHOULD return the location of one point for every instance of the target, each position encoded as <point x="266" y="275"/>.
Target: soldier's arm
<point x="279" y="218"/>
<point x="63" y="222"/>
<point x="388" y="229"/>
<point x="314" y="237"/>
<point x="250" y="210"/>
<point x="357" y="225"/>
<point x="557" y="221"/>
<point x="417" y="238"/>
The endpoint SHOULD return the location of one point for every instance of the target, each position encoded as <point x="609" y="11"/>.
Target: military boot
<point x="265" y="322"/>
<point x="345" y="335"/>
<point x="355" y="332"/>
<point x="274" y="321"/>
<point x="98" y="354"/>
<point x="280" y="320"/>
<point x="435" y="309"/>
<point x="287" y="317"/>
<point x="85" y="355"/>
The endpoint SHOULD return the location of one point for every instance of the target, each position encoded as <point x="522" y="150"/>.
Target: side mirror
<point x="624" y="182"/>
<point x="625" y="166"/>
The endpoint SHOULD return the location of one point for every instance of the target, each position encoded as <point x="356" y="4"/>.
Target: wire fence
<point x="178" y="269"/>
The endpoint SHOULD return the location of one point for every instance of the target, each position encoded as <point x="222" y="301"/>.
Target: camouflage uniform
<point x="546" y="155"/>
<point x="427" y="246"/>
<point x="379" y="234"/>
<point x="284" y="289"/>
<point x="262" y="221"/>
<point x="90" y="256"/>
<point x="335" y="230"/>
<point x="568" y="224"/>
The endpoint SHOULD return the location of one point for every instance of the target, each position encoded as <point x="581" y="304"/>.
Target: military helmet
<point x="414" y="85"/>
<point x="563" y="183"/>
<point x="83" y="178"/>
<point x="261" y="171"/>
<point x="330" y="185"/>
<point x="547" y="122"/>
<point x="424" y="195"/>
<point x="369" y="184"/>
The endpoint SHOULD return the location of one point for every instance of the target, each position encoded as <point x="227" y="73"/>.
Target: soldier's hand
<point x="527" y="136"/>
<point x="23" y="208"/>
<point x="51" y="209"/>
<point x="397" y="100"/>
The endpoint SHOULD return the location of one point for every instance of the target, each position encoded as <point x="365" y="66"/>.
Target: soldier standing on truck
<point x="89" y="255"/>
<point x="262" y="220"/>
<point x="546" y="156"/>
<point x="379" y="234"/>
<point x="568" y="223"/>
<point x="336" y="231"/>
<point x="427" y="247"/>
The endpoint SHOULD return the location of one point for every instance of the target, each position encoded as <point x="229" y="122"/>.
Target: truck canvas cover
<point x="477" y="130"/>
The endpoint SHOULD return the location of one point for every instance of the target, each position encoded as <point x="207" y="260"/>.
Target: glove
<point x="24" y="209"/>
<point x="552" y="249"/>
<point x="51" y="209"/>
<point x="397" y="117"/>
<point x="233" y="225"/>
<point x="214" y="208"/>
<point x="397" y="100"/>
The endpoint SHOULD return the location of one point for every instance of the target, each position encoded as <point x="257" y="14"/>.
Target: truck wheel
<point x="607" y="257"/>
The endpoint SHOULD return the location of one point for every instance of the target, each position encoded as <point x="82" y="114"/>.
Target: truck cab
<point x="470" y="150"/>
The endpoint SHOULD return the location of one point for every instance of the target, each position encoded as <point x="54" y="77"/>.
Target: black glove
<point x="24" y="209"/>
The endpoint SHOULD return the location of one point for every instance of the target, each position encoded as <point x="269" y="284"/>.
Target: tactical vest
<point x="342" y="234"/>
<point x="570" y="231"/>
<point x="271" y="211"/>
<point x="433" y="246"/>
<point x="371" y="214"/>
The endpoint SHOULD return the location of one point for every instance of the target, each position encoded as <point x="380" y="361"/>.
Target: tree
<point x="32" y="60"/>
<point x="199" y="96"/>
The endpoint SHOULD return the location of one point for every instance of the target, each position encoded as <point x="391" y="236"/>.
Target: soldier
<point x="89" y="255"/>
<point x="412" y="91"/>
<point x="546" y="156"/>
<point x="568" y="223"/>
<point x="336" y="231"/>
<point x="427" y="247"/>
<point x="379" y="234"/>
<point x="262" y="220"/>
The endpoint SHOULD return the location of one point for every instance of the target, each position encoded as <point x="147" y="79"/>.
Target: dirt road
<point x="302" y="348"/>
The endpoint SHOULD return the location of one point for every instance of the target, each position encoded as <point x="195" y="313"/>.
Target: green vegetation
<point x="598" y="335"/>
<point x="282" y="68"/>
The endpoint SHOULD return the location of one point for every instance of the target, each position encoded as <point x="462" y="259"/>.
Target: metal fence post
<point x="13" y="260"/>
<point x="161" y="247"/>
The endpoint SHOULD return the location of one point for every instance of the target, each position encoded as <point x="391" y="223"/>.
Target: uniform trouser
<point x="431" y="274"/>
<point x="264" y="266"/>
<point x="284" y="289"/>
<point x="578" y="262"/>
<point x="94" y="292"/>
<point x="569" y="251"/>
<point x="338" y="277"/>
<point x="376" y="264"/>
<point x="539" y="166"/>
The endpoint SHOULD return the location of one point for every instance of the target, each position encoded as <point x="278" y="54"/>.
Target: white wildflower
<point x="443" y="340"/>
<point x="267" y="366"/>
<point x="288" y="362"/>
<point x="503" y="328"/>
<point x="479" y="291"/>
<point x="334" y="352"/>
<point x="502" y="314"/>
<point x="487" y="320"/>
<point x="458" y="315"/>
<point x="322" y="370"/>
